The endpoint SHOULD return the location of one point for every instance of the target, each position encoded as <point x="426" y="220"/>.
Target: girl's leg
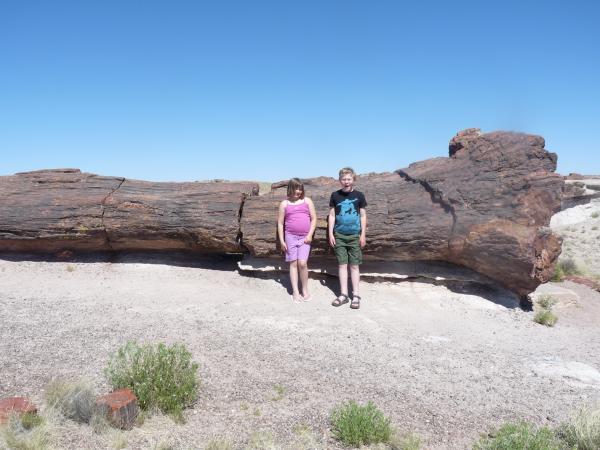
<point x="303" y="272"/>
<point x="294" y="280"/>
<point x="343" y="274"/>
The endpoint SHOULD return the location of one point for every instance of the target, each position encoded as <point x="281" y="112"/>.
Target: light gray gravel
<point x="446" y="365"/>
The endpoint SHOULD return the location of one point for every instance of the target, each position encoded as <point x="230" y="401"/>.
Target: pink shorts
<point x="296" y="248"/>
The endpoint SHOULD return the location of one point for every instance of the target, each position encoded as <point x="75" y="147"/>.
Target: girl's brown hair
<point x="294" y="184"/>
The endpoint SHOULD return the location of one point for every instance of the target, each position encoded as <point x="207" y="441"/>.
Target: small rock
<point x="120" y="408"/>
<point x="16" y="405"/>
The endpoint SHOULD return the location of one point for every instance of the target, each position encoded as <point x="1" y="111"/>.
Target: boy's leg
<point x="303" y="274"/>
<point x="294" y="280"/>
<point x="355" y="278"/>
<point x="355" y="259"/>
<point x="343" y="275"/>
<point x="341" y="253"/>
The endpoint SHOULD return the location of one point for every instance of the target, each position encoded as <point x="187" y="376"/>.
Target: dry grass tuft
<point x="219" y="444"/>
<point x="582" y="432"/>
<point x="405" y="441"/>
<point x="262" y="440"/>
<point x="75" y="400"/>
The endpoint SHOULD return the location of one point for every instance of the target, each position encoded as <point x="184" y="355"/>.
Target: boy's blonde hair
<point x="294" y="184"/>
<point x="347" y="171"/>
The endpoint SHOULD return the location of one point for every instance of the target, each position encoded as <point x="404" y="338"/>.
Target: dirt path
<point x="443" y="364"/>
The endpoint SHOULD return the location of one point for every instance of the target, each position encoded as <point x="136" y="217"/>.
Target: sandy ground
<point x="580" y="229"/>
<point x="445" y="364"/>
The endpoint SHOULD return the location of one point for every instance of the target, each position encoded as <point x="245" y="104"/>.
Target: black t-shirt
<point x="347" y="210"/>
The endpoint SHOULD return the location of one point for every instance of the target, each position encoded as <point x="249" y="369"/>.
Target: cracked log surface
<point x="486" y="207"/>
<point x="64" y="209"/>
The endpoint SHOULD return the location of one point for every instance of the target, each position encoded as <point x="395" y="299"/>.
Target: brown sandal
<point x="355" y="303"/>
<point x="340" y="300"/>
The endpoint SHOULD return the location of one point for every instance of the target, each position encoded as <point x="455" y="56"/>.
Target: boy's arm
<point x="363" y="227"/>
<point x="330" y="224"/>
<point x="313" y="221"/>
<point x="280" y="220"/>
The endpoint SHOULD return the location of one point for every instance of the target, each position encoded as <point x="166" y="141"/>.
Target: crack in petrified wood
<point x="103" y="209"/>
<point x="436" y="197"/>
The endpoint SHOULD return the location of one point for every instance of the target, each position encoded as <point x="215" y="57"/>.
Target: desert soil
<point x="445" y="364"/>
<point x="580" y="229"/>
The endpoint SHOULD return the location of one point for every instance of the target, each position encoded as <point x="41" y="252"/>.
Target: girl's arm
<point x="280" y="220"/>
<point x="313" y="220"/>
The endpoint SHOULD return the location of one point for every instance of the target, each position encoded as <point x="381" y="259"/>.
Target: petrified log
<point x="580" y="190"/>
<point x="486" y="207"/>
<point x="64" y="209"/>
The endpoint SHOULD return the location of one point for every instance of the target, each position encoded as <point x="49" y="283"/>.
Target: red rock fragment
<point x="585" y="281"/>
<point x="15" y="405"/>
<point x="120" y="408"/>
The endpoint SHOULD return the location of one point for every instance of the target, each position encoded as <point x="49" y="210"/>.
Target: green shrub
<point x="357" y="425"/>
<point x="595" y="215"/>
<point x="545" y="317"/>
<point x="74" y="400"/>
<point x="520" y="436"/>
<point x="559" y="273"/>
<point x="569" y="267"/>
<point x="583" y="431"/>
<point x="31" y="420"/>
<point x="546" y="301"/>
<point x="160" y="376"/>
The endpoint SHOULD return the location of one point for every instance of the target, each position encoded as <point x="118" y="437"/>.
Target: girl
<point x="296" y="225"/>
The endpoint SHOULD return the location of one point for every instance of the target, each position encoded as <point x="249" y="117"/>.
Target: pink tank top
<point x="297" y="219"/>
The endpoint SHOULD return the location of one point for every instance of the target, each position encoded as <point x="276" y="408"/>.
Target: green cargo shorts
<point x="347" y="248"/>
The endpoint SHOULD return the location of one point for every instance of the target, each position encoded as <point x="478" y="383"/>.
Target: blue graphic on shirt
<point x="347" y="221"/>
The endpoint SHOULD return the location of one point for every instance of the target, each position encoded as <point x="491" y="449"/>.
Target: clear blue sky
<point x="266" y="90"/>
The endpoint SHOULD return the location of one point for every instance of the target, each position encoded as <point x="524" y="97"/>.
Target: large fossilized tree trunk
<point x="65" y="209"/>
<point x="485" y="207"/>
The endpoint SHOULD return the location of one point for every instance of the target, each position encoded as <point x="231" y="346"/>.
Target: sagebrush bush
<point x="520" y="436"/>
<point x="74" y="400"/>
<point x="583" y="431"/>
<point x="357" y="425"/>
<point x="160" y="376"/>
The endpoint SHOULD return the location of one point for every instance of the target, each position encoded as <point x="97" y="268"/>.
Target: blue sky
<point x="266" y="90"/>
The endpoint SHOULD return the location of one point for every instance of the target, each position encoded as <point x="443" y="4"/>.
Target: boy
<point x="347" y="228"/>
